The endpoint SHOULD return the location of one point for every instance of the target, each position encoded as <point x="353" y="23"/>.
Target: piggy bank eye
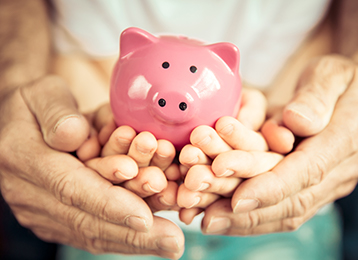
<point x="193" y="69"/>
<point x="165" y="65"/>
<point x="162" y="102"/>
<point x="183" y="106"/>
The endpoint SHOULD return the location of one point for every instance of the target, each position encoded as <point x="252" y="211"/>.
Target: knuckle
<point x="63" y="188"/>
<point x="302" y="204"/>
<point x="282" y="188"/>
<point x="252" y="220"/>
<point x="317" y="169"/>
<point x="291" y="224"/>
<point x="333" y="65"/>
<point x="84" y="225"/>
<point x="134" y="240"/>
<point x="88" y="229"/>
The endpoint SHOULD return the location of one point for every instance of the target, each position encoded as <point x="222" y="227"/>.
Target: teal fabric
<point x="319" y="238"/>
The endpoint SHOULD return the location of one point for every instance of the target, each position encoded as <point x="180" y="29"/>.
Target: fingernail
<point x="218" y="225"/>
<point x="227" y="130"/>
<point x="136" y="223"/>
<point x="227" y="173"/>
<point x="143" y="150"/>
<point x="203" y="186"/>
<point x="194" y="161"/>
<point x="245" y="205"/>
<point x="164" y="202"/>
<point x="168" y="244"/>
<point x="149" y="188"/>
<point x="204" y="141"/>
<point x="125" y="175"/>
<point x="62" y="120"/>
<point x="302" y="111"/>
<point x="196" y="202"/>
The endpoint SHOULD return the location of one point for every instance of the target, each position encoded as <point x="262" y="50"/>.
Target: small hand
<point x="234" y="153"/>
<point x="151" y="174"/>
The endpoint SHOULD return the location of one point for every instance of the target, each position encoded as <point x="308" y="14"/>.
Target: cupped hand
<point x="55" y="195"/>
<point x="219" y="159"/>
<point x="138" y="162"/>
<point x="321" y="169"/>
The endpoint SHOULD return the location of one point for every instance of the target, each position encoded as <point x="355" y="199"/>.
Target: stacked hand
<point x="58" y="197"/>
<point x="321" y="169"/>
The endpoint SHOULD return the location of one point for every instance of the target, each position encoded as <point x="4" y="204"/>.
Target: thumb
<point x="253" y="108"/>
<point x="319" y="87"/>
<point x="63" y="126"/>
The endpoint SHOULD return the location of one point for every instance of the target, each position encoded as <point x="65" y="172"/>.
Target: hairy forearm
<point x="24" y="42"/>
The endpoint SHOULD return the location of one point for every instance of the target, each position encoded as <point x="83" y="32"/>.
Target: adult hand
<point x="321" y="169"/>
<point x="55" y="195"/>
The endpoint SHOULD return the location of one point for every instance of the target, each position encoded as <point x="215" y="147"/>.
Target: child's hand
<point x="232" y="151"/>
<point x="141" y="164"/>
<point x="218" y="161"/>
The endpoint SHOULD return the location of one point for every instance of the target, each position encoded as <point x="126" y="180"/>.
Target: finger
<point x="102" y="117"/>
<point x="119" y="141"/>
<point x="319" y="88"/>
<point x="168" y="243"/>
<point x="252" y="113"/>
<point x="191" y="155"/>
<point x="150" y="180"/>
<point x="205" y="138"/>
<point x="173" y="172"/>
<point x="243" y="164"/>
<point x="75" y="185"/>
<point x="164" y="155"/>
<point x="238" y="136"/>
<point x="201" y="178"/>
<point x="310" y="199"/>
<point x="220" y="220"/>
<point x="62" y="125"/>
<point x="278" y="137"/>
<point x="143" y="148"/>
<point x="183" y="170"/>
<point x="115" y="168"/>
<point x="90" y="148"/>
<point x="23" y="195"/>
<point x="190" y="199"/>
<point x="312" y="160"/>
<point x="68" y="225"/>
<point x="165" y="200"/>
<point x="188" y="215"/>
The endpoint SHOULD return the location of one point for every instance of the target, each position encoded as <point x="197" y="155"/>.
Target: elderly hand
<point x="321" y="169"/>
<point x="55" y="195"/>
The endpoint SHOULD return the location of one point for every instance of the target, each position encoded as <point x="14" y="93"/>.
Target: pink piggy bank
<point x="169" y="85"/>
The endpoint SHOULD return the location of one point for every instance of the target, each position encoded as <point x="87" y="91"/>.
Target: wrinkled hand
<point x="55" y="195"/>
<point x="321" y="169"/>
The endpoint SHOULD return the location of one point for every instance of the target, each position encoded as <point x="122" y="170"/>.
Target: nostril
<point x="162" y="102"/>
<point x="183" y="106"/>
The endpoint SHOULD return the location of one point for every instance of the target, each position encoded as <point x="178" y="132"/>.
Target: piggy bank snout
<point x="173" y="107"/>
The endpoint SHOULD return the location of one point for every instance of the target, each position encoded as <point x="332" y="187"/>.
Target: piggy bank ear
<point x="133" y="39"/>
<point x="228" y="52"/>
